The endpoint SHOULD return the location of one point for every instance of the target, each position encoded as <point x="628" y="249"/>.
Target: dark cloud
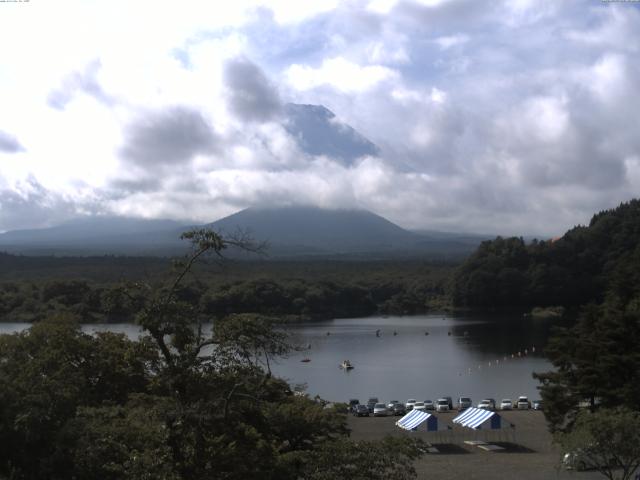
<point x="9" y="143"/>
<point x="121" y="187"/>
<point x="251" y="96"/>
<point x="86" y="82"/>
<point x="447" y="16"/>
<point x="168" y="137"/>
<point x="31" y="205"/>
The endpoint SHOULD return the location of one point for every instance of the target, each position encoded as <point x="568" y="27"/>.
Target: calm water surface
<point x="474" y="356"/>
<point x="461" y="356"/>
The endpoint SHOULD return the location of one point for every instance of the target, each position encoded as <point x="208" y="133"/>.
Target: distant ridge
<point x="295" y="231"/>
<point x="97" y="235"/>
<point x="318" y="230"/>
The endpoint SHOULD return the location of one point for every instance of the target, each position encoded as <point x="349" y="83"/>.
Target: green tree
<point x="596" y="362"/>
<point x="391" y="458"/>
<point x="46" y="373"/>
<point x="607" y="441"/>
<point x="190" y="400"/>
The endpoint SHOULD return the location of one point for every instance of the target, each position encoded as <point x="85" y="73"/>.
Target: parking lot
<point x="528" y="450"/>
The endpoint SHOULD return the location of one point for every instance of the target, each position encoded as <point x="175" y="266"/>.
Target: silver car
<point x="442" y="405"/>
<point x="506" y="404"/>
<point x="486" y="404"/>
<point x="380" y="410"/>
<point x="464" y="403"/>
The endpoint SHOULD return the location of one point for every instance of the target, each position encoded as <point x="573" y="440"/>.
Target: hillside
<point x="587" y="264"/>
<point x="318" y="230"/>
<point x="97" y="235"/>
<point x="289" y="232"/>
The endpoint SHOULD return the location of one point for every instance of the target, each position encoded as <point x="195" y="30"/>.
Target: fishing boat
<point x="346" y="364"/>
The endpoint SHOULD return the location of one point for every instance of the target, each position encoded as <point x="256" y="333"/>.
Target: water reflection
<point x="422" y="357"/>
<point x="428" y="356"/>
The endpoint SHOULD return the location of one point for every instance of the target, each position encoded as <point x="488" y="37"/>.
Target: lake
<point x="474" y="355"/>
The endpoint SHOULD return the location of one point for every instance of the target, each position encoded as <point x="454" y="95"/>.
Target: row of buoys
<point x="379" y="333"/>
<point x="519" y="354"/>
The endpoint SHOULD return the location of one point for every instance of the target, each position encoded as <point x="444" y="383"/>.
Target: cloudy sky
<point x="497" y="116"/>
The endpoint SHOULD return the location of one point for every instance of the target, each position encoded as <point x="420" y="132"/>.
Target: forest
<point x="93" y="288"/>
<point x="588" y="264"/>
<point x="180" y="403"/>
<point x="177" y="403"/>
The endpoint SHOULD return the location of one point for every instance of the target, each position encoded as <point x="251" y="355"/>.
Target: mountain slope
<point x="318" y="230"/>
<point x="318" y="132"/>
<point x="289" y="232"/>
<point x="96" y="235"/>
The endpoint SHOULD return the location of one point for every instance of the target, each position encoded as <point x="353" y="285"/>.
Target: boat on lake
<point x="346" y="365"/>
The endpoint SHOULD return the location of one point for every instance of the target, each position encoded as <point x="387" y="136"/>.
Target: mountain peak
<point x="324" y="230"/>
<point x="318" y="132"/>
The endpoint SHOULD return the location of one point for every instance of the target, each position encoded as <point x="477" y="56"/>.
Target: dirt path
<point x="528" y="454"/>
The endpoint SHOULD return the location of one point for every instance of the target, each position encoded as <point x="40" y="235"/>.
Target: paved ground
<point x="528" y="455"/>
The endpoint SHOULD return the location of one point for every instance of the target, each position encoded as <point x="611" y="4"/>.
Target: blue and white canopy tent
<point x="480" y="419"/>
<point x="412" y="420"/>
<point x="415" y="418"/>
<point x="477" y="418"/>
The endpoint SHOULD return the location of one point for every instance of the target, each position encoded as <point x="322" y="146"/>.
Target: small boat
<point x="346" y="364"/>
<point x="306" y="360"/>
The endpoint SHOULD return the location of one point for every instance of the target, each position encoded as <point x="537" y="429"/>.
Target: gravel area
<point x="528" y="452"/>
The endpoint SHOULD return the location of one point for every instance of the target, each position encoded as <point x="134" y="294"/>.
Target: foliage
<point x="293" y="289"/>
<point x="189" y="400"/>
<point x="390" y="458"/>
<point x="47" y="373"/>
<point x="607" y="440"/>
<point x="597" y="363"/>
<point x="587" y="264"/>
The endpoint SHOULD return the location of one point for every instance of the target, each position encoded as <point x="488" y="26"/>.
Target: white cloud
<point x="450" y="41"/>
<point x="339" y="73"/>
<point x="487" y="117"/>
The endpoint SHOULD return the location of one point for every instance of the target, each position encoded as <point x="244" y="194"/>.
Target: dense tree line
<point x="183" y="402"/>
<point x="298" y="295"/>
<point x="587" y="264"/>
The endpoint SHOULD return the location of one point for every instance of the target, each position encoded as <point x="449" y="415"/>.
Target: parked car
<point x="380" y="410"/>
<point x="449" y="402"/>
<point x="537" y="404"/>
<point x="464" y="403"/>
<point x="352" y="404"/>
<point x="523" y="403"/>
<point x="361" y="410"/>
<point x="398" y="409"/>
<point x="442" y="405"/>
<point x="506" y="404"/>
<point x="580" y="459"/>
<point x="392" y="403"/>
<point x="428" y="405"/>
<point x="410" y="403"/>
<point x="371" y="403"/>
<point x="419" y="406"/>
<point x="487" y="404"/>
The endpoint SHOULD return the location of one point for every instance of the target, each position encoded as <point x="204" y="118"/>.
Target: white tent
<point x="415" y="418"/>
<point x="478" y="418"/>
